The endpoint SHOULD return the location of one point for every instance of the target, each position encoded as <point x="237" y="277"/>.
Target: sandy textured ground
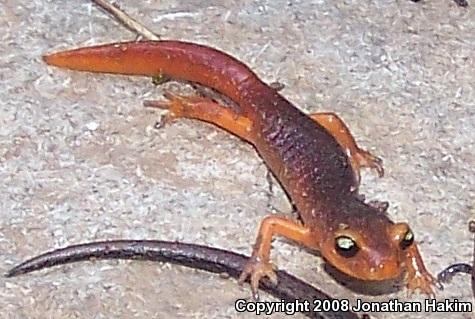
<point x="81" y="161"/>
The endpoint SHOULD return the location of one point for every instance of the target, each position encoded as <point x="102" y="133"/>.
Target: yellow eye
<point x="346" y="246"/>
<point x="407" y="240"/>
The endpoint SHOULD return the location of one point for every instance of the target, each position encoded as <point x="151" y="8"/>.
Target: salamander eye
<point x="407" y="240"/>
<point x="346" y="247"/>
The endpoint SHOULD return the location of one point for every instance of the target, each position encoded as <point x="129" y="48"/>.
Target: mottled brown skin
<point x="314" y="157"/>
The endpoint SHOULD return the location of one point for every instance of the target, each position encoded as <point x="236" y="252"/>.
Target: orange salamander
<point x="314" y="157"/>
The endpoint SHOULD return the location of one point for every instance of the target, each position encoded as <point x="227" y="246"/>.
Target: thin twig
<point x="126" y="20"/>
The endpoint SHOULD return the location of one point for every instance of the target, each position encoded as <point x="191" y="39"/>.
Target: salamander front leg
<point x="417" y="275"/>
<point x="259" y="264"/>
<point x="358" y="157"/>
<point x="204" y="109"/>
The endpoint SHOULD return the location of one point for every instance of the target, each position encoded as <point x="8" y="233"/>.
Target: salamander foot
<point x="257" y="269"/>
<point x="424" y="282"/>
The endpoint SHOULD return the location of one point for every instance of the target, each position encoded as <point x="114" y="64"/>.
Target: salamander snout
<point x="388" y="267"/>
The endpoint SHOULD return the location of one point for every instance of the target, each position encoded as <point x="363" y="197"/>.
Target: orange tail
<point x="177" y="60"/>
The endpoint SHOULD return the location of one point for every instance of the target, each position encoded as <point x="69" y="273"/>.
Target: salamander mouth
<point x="389" y="270"/>
<point x="384" y="271"/>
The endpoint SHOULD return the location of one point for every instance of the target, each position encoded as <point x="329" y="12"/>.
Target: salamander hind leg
<point x="259" y="264"/>
<point x="204" y="109"/>
<point x="358" y="157"/>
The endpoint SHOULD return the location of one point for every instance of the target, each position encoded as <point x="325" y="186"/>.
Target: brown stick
<point x="126" y="20"/>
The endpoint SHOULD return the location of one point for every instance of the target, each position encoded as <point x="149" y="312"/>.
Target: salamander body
<point x="314" y="157"/>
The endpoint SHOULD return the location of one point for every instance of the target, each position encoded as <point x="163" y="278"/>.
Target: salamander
<point x="314" y="157"/>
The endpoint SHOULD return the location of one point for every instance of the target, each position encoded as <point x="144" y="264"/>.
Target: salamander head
<point x="372" y="250"/>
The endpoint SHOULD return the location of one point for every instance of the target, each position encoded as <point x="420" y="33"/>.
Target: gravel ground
<point x="80" y="159"/>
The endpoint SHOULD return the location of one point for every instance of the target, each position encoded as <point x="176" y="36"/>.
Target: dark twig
<point x="446" y="275"/>
<point x="462" y="3"/>
<point x="210" y="259"/>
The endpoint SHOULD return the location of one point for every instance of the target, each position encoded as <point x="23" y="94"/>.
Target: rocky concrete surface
<point x="80" y="159"/>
